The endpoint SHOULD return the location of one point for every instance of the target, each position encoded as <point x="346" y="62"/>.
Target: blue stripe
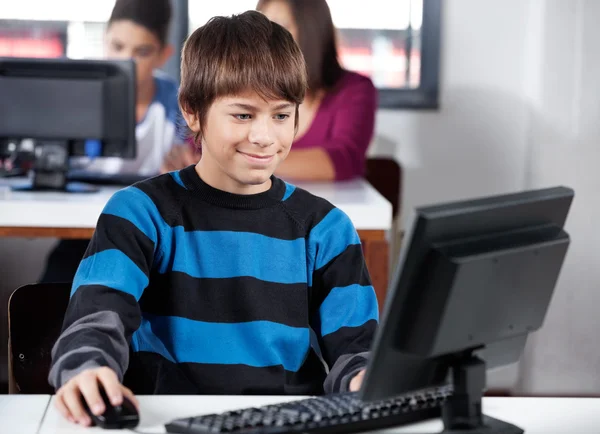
<point x="134" y="205"/>
<point x="349" y="306"/>
<point x="289" y="189"/>
<point x="177" y="177"/>
<point x="255" y="343"/>
<point x="224" y="254"/>
<point x="331" y="236"/>
<point x="111" y="268"/>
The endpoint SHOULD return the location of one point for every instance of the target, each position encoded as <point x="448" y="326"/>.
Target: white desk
<point x="365" y="206"/>
<point x="22" y="414"/>
<point x="534" y="415"/>
<point x="71" y="215"/>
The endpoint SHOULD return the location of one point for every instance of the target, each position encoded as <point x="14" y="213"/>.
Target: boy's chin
<point x="257" y="177"/>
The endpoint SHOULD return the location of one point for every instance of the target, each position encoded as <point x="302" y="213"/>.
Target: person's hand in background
<point x="180" y="156"/>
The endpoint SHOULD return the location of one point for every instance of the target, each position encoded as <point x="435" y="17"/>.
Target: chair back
<point x="35" y="318"/>
<point x="385" y="175"/>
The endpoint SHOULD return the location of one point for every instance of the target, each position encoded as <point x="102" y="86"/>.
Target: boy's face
<point x="127" y="40"/>
<point x="245" y="138"/>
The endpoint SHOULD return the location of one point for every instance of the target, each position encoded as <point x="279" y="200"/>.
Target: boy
<point x="136" y="29"/>
<point x="209" y="279"/>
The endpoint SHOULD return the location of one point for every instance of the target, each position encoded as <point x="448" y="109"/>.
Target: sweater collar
<point x="224" y="199"/>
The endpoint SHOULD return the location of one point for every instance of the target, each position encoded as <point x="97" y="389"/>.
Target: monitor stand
<point x="50" y="170"/>
<point x="462" y="413"/>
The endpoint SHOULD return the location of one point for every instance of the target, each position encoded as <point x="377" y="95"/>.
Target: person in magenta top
<point x="337" y="117"/>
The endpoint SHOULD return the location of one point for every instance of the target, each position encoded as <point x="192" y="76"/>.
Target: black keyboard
<point x="340" y="413"/>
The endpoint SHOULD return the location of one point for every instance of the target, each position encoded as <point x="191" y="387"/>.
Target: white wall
<point x="520" y="103"/>
<point x="519" y="109"/>
<point x="476" y="144"/>
<point x="564" y="357"/>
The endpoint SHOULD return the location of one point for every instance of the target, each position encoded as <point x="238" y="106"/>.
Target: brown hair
<point x="154" y="15"/>
<point x="231" y="55"/>
<point x="316" y="37"/>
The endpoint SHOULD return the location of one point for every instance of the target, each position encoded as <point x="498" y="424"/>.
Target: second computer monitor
<point x="68" y="108"/>
<point x="70" y="101"/>
<point x="475" y="279"/>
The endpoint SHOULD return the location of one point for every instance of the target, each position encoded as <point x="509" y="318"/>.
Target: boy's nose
<point x="261" y="135"/>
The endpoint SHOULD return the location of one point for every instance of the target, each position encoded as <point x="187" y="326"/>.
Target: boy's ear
<point x="191" y="119"/>
<point x="166" y="52"/>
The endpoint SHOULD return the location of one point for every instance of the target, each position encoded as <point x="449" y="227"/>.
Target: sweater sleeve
<point x="103" y="310"/>
<point x="344" y="310"/>
<point x="353" y="126"/>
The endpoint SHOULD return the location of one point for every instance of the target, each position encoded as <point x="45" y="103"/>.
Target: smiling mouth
<point x="266" y="157"/>
<point x="256" y="158"/>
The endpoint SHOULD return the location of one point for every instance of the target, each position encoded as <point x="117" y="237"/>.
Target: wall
<point x="476" y="144"/>
<point x="518" y="110"/>
<point x="564" y="356"/>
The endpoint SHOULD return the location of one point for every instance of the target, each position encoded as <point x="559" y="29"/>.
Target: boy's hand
<point x="69" y="396"/>
<point x="356" y="381"/>
<point x="179" y="156"/>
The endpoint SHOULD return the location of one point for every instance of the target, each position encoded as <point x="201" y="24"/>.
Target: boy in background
<point x="136" y="29"/>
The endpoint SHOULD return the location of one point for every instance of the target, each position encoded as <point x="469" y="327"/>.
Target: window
<point x="26" y="38"/>
<point x="394" y="42"/>
<point x="72" y="28"/>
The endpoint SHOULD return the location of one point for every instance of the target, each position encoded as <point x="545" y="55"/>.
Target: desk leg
<point x="376" y="251"/>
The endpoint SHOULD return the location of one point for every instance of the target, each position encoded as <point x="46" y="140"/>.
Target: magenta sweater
<point x="344" y="125"/>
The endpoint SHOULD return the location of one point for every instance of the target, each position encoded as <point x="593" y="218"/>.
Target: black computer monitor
<point x="66" y="105"/>
<point x="475" y="278"/>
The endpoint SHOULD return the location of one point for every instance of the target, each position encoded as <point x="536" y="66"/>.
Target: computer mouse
<point x="114" y="417"/>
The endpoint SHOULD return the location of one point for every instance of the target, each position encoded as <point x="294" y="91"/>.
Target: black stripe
<point x="308" y="208"/>
<point x="179" y="207"/>
<point x="167" y="195"/>
<point x="150" y="373"/>
<point x="348" y="268"/>
<point x="118" y="233"/>
<point x="89" y="299"/>
<point x="228" y="300"/>
<point x="348" y="340"/>
<point x="271" y="221"/>
<point x="301" y="211"/>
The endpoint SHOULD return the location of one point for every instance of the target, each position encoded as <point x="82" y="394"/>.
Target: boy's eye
<point x="143" y="52"/>
<point x="243" y="117"/>
<point x="282" y="116"/>
<point x="117" y="47"/>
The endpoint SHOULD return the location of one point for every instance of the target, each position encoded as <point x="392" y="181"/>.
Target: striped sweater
<point x="187" y="289"/>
